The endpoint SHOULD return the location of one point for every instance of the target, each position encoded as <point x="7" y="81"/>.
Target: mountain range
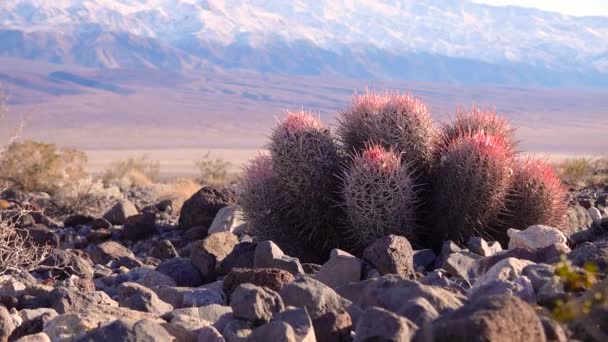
<point x="457" y="42"/>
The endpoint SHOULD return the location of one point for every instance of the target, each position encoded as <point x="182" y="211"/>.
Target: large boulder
<point x="255" y="304"/>
<point x="118" y="214"/>
<point x="181" y="270"/>
<point x="341" y="268"/>
<point x="128" y="331"/>
<point x="207" y="254"/>
<point x="536" y="237"/>
<point x="377" y="324"/>
<point x="269" y="255"/>
<point x="494" y="318"/>
<point x="138" y="227"/>
<point x="141" y="298"/>
<point x="203" y="206"/>
<point x="109" y="251"/>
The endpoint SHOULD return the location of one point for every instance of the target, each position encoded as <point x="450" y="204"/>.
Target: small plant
<point x="212" y="171"/>
<point x="536" y="196"/>
<point x="575" y="171"/>
<point x="470" y="186"/>
<point x="379" y="197"/>
<point x="36" y="166"/>
<point x="392" y="120"/>
<point x="17" y="252"/>
<point x="133" y="172"/>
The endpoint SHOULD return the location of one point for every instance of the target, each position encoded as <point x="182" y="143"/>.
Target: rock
<point x="203" y="206"/>
<point x="203" y="297"/>
<point x="391" y="255"/>
<point x="242" y="256"/>
<point x="39" y="235"/>
<point x="596" y="216"/>
<point x="63" y="264"/>
<point x="182" y="271"/>
<point x="268" y="255"/>
<point x="218" y="315"/>
<point x="99" y="236"/>
<point x="146" y="277"/>
<point x="377" y="324"/>
<point x="520" y="286"/>
<point x="273" y="331"/>
<point x="333" y="326"/>
<point x="326" y="308"/>
<point x="209" y="334"/>
<point x="118" y="214"/>
<point x="553" y="330"/>
<point x="228" y="219"/>
<point x="341" y="268"/>
<point x="78" y="220"/>
<point x="141" y="298"/>
<point x="272" y="278"/>
<point x="30" y="314"/>
<point x="419" y="311"/>
<point x="542" y="255"/>
<point x="39" y="337"/>
<point x="163" y="250"/>
<point x="185" y="328"/>
<point x="392" y="293"/>
<point x="255" y="304"/>
<point x="139" y="227"/>
<point x="543" y="278"/>
<point x="481" y="247"/>
<point x="207" y="254"/>
<point x="423" y="258"/>
<point x="195" y="233"/>
<point x="6" y="324"/>
<point x="100" y="223"/>
<point x="69" y="300"/>
<point x="66" y="327"/>
<point x="495" y="318"/>
<point x="594" y="252"/>
<point x="109" y="251"/>
<point x="124" y="330"/>
<point x="31" y="326"/>
<point x="536" y="237"/>
<point x="299" y="320"/>
<point x="462" y="264"/>
<point x="237" y="330"/>
<point x="577" y="220"/>
<point x="506" y="269"/>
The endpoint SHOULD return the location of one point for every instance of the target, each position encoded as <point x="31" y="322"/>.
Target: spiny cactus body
<point x="379" y="197"/>
<point x="306" y="162"/>
<point x="536" y="196"/>
<point x="392" y="120"/>
<point x="474" y="121"/>
<point x="471" y="183"/>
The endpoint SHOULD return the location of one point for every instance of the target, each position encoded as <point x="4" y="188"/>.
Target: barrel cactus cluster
<point x="389" y="170"/>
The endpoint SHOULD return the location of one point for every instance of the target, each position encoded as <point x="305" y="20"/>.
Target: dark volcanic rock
<point x="139" y="227"/>
<point x="271" y="278"/>
<point x="182" y="271"/>
<point x="201" y="208"/>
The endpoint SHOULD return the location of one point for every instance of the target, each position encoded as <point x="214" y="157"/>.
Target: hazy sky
<point x="572" y="7"/>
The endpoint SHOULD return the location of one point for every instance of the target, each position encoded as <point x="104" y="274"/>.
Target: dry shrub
<point x="37" y="166"/>
<point x="580" y="172"/>
<point x="139" y="171"/>
<point x="178" y="191"/>
<point x="213" y="171"/>
<point x="17" y="253"/>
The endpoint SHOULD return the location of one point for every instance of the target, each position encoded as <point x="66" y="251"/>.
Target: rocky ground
<point x="139" y="271"/>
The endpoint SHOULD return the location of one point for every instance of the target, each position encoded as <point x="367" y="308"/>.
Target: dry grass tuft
<point x="580" y="172"/>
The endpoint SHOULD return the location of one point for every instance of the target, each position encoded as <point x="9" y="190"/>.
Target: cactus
<point x="471" y="122"/>
<point x="379" y="197"/>
<point x="392" y="120"/>
<point x="471" y="183"/>
<point x="306" y="162"/>
<point x="536" y="196"/>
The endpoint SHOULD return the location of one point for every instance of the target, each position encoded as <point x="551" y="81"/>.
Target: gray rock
<point x="300" y="321"/>
<point x="138" y="297"/>
<point x="494" y="318"/>
<point x="163" y="250"/>
<point x="577" y="220"/>
<point x="378" y="324"/>
<point x="108" y="251"/>
<point x="269" y="255"/>
<point x="341" y="268"/>
<point x="39" y="337"/>
<point x="481" y="247"/>
<point x="419" y="311"/>
<point x="596" y="215"/>
<point x="118" y="214"/>
<point x="206" y="255"/>
<point x="391" y="255"/>
<point x="506" y="269"/>
<point x="392" y="293"/>
<point x="273" y="331"/>
<point x="210" y="334"/>
<point x="6" y="324"/>
<point x="242" y="256"/>
<point x="255" y="304"/>
<point x="146" y="277"/>
<point x="272" y="278"/>
<point x="237" y="330"/>
<point x="594" y="252"/>
<point x="520" y="286"/>
<point x="181" y="270"/>
<point x="447" y="248"/>
<point x="423" y="258"/>
<point x="553" y="330"/>
<point x="228" y="219"/>
<point x="203" y="297"/>
<point x="462" y="264"/>
<point x="536" y="237"/>
<point x="124" y="330"/>
<point x="218" y="315"/>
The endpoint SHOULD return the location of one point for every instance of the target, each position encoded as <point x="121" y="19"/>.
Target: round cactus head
<point x="474" y="121"/>
<point x="258" y="170"/>
<point x="298" y="122"/>
<point x="471" y="185"/>
<point x="536" y="196"/>
<point x="380" y="160"/>
<point x="396" y="121"/>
